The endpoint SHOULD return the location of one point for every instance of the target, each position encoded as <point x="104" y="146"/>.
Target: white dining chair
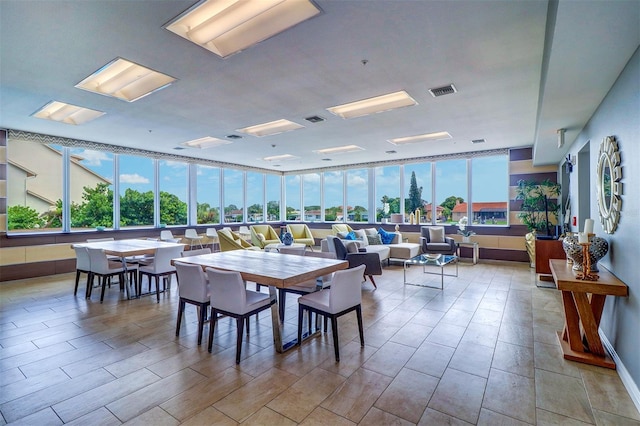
<point x="230" y="297"/>
<point x="105" y="269"/>
<point x="193" y="289"/>
<point x="168" y="237"/>
<point x="160" y="267"/>
<point x="212" y="235"/>
<point x="344" y="296"/>
<point x="192" y="236"/>
<point x="83" y="266"/>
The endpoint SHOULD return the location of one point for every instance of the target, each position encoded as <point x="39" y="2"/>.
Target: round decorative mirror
<point x="609" y="186"/>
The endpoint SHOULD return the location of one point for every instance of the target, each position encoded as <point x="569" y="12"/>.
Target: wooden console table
<point x="583" y="303"/>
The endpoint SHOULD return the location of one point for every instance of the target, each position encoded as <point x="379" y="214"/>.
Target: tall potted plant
<point x="539" y="211"/>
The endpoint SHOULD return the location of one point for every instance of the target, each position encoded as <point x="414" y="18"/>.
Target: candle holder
<point x="586" y="273"/>
<point x="597" y="250"/>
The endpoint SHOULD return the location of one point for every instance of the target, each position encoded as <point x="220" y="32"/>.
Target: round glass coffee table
<point x="425" y="260"/>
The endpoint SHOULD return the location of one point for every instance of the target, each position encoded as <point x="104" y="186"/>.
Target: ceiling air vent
<point x="478" y="141"/>
<point x="441" y="91"/>
<point x="315" y="119"/>
<point x="234" y="137"/>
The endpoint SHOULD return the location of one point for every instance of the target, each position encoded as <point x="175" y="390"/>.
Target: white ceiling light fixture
<point x="206" y="142"/>
<point x="225" y="27"/>
<point x="67" y="113"/>
<point x="339" y="149"/>
<point x="373" y="105"/>
<point x="271" y="128"/>
<point x="560" y="137"/>
<point x="125" y="80"/>
<point x="283" y="157"/>
<point x="437" y="136"/>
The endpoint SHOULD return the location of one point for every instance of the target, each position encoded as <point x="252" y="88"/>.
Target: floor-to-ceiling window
<point x="173" y="192"/>
<point x="311" y="194"/>
<point x="208" y="194"/>
<point x="357" y="195"/>
<point x="136" y="181"/>
<point x="91" y="188"/>
<point x="387" y="192"/>
<point x="255" y="197"/>
<point x="417" y="191"/>
<point x="489" y="191"/>
<point x="273" y="194"/>
<point x="451" y="189"/>
<point x="333" y="196"/>
<point x="292" y="190"/>
<point x="233" y="196"/>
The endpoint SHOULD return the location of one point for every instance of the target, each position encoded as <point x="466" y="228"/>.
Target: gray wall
<point x="619" y="115"/>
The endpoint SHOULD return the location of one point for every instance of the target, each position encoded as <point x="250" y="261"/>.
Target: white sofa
<point x="395" y="250"/>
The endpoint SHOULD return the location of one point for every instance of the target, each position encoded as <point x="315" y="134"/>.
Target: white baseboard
<point x="627" y="380"/>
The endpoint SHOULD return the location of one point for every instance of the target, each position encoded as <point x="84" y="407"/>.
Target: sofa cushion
<point x="374" y="239"/>
<point x="438" y="247"/>
<point x="436" y="234"/>
<point x="404" y="250"/>
<point x="371" y="231"/>
<point x="352" y="247"/>
<point x="387" y="237"/>
<point x="382" y="250"/>
<point x="362" y="237"/>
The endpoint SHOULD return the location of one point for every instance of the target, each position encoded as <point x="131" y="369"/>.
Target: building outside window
<point x="311" y="192"/>
<point x="333" y="196"/>
<point x="489" y="192"/>
<point x="451" y="188"/>
<point x="255" y="197"/>
<point x="357" y="195"/>
<point x="233" y="196"/>
<point x="274" y="191"/>
<point x="387" y="192"/>
<point x="91" y="175"/>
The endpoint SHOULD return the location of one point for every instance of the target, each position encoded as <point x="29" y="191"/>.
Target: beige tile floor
<point x="482" y="351"/>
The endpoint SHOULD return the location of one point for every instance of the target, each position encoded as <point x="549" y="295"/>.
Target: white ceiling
<point x="522" y="69"/>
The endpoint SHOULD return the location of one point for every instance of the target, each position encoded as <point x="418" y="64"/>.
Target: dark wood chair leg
<point x="300" y="316"/>
<point x="180" y="312"/>
<point x="240" y="322"/>
<point x="75" y="290"/>
<point x="373" y="281"/>
<point x="104" y="280"/>
<point x="212" y="326"/>
<point x="157" y="288"/>
<point x="334" y="331"/>
<point x="202" y="317"/>
<point x="360" y="328"/>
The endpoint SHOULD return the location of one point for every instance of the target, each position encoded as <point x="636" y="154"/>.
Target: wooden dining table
<point x="126" y="249"/>
<point x="274" y="270"/>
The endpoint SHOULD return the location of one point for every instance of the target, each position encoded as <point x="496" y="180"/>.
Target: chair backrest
<point x="227" y="291"/>
<point x="166" y="235"/>
<point x="97" y="240"/>
<point x="346" y="289"/>
<point x="193" y="282"/>
<point x="340" y="227"/>
<point x="99" y="261"/>
<point x="267" y="231"/>
<point x="212" y="233"/>
<point x="424" y="232"/>
<point x="83" y="262"/>
<point x="228" y="241"/>
<point x="196" y="252"/>
<point x="299" y="230"/>
<point x="190" y="233"/>
<point x="162" y="259"/>
<point x="336" y="247"/>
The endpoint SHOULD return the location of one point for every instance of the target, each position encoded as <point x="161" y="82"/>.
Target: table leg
<point x="589" y="324"/>
<point x="572" y="322"/>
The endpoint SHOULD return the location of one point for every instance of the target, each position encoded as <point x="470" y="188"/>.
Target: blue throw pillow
<point x="386" y="237"/>
<point x="350" y="236"/>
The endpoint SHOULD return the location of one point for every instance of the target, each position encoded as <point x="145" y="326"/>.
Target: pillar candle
<point x="583" y="238"/>
<point x="588" y="226"/>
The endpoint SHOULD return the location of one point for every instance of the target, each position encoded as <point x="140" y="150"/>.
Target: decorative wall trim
<point x="625" y="376"/>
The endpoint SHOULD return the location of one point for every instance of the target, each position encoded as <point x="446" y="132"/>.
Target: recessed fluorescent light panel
<point x="373" y="105"/>
<point x="66" y="113"/>
<point x="438" y="136"/>
<point x="225" y="27"/>
<point x="271" y="128"/>
<point x="339" y="149"/>
<point x="206" y="142"/>
<point x="125" y="80"/>
<point x="283" y="157"/>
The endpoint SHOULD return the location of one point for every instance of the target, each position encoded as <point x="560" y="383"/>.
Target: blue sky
<point x="490" y="180"/>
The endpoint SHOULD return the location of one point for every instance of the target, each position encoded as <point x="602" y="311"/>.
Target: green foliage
<point x="173" y="211"/>
<point x="273" y="210"/>
<point x="207" y="214"/>
<point x="23" y="217"/>
<point x="415" y="195"/>
<point x="96" y="210"/>
<point x="538" y="211"/>
<point x="136" y="208"/>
